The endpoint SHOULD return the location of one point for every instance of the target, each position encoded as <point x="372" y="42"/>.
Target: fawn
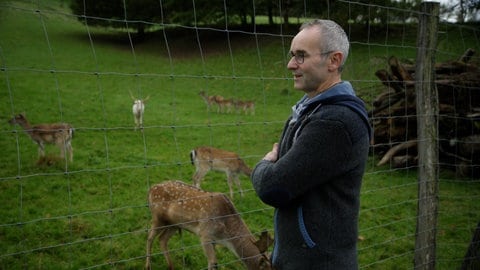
<point x="211" y="216"/>
<point x="60" y="134"/>
<point x="207" y="158"/>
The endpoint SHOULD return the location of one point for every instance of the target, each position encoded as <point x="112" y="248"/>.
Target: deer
<point x="206" y="158"/>
<point x="226" y="105"/>
<point x="177" y="206"/>
<point x="211" y="100"/>
<point x="138" y="109"/>
<point x="246" y="106"/>
<point x="60" y="134"/>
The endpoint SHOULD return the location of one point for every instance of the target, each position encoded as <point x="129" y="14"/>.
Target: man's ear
<point x="335" y="60"/>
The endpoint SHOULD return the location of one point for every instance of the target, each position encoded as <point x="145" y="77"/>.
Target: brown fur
<point x="60" y="134"/>
<point x="207" y="158"/>
<point x="211" y="216"/>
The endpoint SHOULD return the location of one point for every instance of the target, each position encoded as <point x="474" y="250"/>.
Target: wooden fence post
<point x="427" y="126"/>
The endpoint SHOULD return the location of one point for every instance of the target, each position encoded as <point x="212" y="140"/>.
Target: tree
<point x="469" y="10"/>
<point x="137" y="14"/>
<point x="462" y="10"/>
<point x="142" y="14"/>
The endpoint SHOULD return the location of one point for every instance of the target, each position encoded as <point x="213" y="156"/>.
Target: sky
<point x="448" y="17"/>
<point x="451" y="17"/>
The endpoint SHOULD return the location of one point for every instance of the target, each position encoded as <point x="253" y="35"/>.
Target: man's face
<point x="312" y="72"/>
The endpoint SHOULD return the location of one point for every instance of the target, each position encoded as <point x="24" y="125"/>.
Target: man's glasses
<point x="300" y="56"/>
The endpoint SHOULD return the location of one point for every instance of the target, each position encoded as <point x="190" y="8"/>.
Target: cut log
<point x="404" y="161"/>
<point x="394" y="117"/>
<point x="467" y="55"/>
<point x="389" y="81"/>
<point x="396" y="149"/>
<point x="398" y="70"/>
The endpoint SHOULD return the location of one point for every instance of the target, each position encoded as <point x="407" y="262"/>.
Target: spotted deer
<point x="60" y="134"/>
<point x="207" y="158"/>
<point x="175" y="205"/>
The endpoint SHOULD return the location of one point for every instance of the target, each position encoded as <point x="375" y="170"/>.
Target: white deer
<point x="211" y="216"/>
<point x="138" y="109"/>
<point x="207" y="158"/>
<point x="60" y="134"/>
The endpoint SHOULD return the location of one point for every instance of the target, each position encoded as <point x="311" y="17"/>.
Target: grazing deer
<point x="60" y="134"/>
<point x="211" y="100"/>
<point x="211" y="216"/>
<point x="207" y="158"/>
<point x="138" y="109"/>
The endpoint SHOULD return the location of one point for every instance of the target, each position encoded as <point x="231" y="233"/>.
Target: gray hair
<point x="333" y="37"/>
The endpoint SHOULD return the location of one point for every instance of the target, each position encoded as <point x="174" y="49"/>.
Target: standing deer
<point x="247" y="106"/>
<point x="60" y="134"/>
<point x="207" y="158"/>
<point x="226" y="105"/>
<point x="138" y="109"/>
<point x="211" y="216"/>
<point x="210" y="100"/>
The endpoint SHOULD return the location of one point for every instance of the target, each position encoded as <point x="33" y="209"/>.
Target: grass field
<point x="92" y="213"/>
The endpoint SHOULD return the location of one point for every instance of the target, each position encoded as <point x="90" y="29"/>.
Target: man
<point x="313" y="175"/>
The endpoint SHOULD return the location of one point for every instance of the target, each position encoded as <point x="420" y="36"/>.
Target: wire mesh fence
<point x="61" y="66"/>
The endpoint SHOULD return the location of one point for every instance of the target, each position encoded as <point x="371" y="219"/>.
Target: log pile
<point x="393" y="115"/>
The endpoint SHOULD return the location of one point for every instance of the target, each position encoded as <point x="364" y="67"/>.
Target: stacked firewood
<point x="393" y="115"/>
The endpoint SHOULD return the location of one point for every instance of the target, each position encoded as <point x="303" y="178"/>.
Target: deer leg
<point x="229" y="182"/>
<point x="66" y="149"/>
<point x="198" y="177"/>
<point x="136" y="121"/>
<point x="238" y="183"/>
<point x="209" y="250"/>
<point x="63" y="147"/>
<point x="151" y="236"/>
<point x="70" y="150"/>
<point x="209" y="105"/>
<point x="41" y="149"/>
<point x="165" y="235"/>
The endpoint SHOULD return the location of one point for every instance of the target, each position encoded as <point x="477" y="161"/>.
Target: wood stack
<point x="394" y="115"/>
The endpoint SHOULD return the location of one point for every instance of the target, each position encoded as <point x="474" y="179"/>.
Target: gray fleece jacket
<point x="315" y="183"/>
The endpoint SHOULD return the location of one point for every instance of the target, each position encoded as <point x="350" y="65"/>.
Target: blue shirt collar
<point x="342" y="88"/>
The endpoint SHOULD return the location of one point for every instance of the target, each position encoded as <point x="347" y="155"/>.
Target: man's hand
<point x="272" y="155"/>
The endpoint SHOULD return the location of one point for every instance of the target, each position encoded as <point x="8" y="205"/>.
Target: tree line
<point x="145" y="14"/>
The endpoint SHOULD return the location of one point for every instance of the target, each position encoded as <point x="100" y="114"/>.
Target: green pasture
<point x="93" y="214"/>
